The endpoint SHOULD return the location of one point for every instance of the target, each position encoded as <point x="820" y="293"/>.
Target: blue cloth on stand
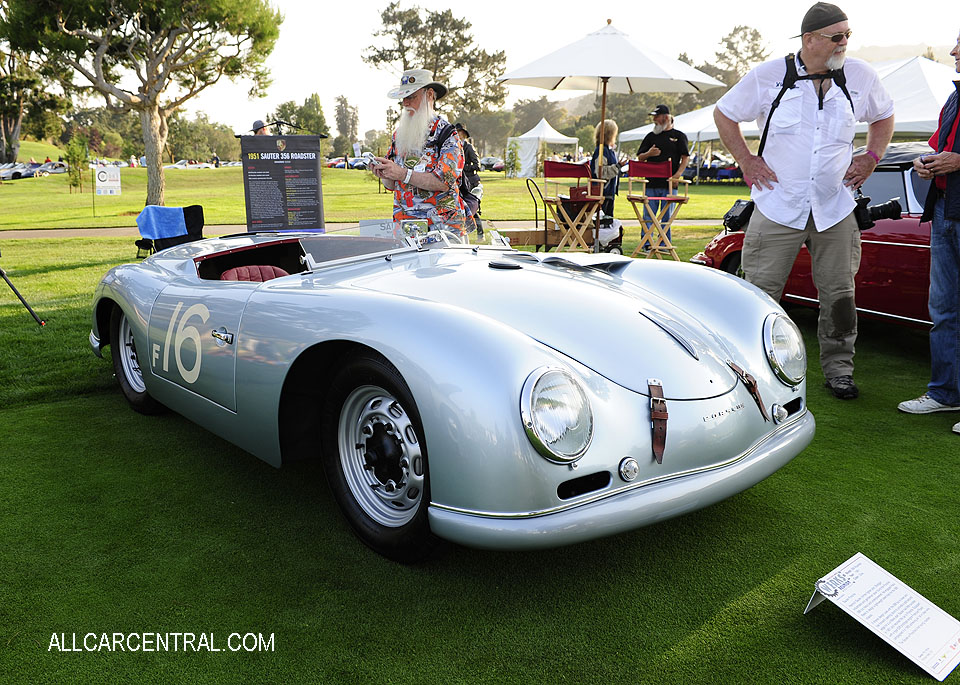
<point x="157" y="222"/>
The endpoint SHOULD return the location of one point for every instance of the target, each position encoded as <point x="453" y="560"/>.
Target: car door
<point x="193" y="332"/>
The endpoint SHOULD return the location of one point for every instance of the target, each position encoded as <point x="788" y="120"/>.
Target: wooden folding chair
<point x="654" y="235"/>
<point x="573" y="213"/>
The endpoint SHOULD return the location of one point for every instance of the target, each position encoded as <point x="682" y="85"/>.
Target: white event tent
<point x="529" y="145"/>
<point x="918" y="86"/>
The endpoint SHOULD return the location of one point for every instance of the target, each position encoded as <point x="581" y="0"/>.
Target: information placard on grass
<point x="281" y="182"/>
<point x="901" y="616"/>
<point x="108" y="180"/>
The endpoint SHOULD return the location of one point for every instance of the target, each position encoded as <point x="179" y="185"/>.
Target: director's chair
<point x="655" y="224"/>
<point x="573" y="213"/>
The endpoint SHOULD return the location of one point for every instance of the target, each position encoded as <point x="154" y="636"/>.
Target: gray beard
<point x="658" y="129"/>
<point x="836" y="61"/>
<point x="412" y="130"/>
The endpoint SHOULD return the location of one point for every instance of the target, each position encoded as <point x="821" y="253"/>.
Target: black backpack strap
<point x="445" y="132"/>
<point x="840" y="78"/>
<point x="789" y="80"/>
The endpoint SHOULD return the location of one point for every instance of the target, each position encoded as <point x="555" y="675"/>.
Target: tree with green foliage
<point x="423" y="39"/>
<point x="488" y="130"/>
<point x="308" y="117"/>
<point x="76" y="158"/>
<point x="170" y="51"/>
<point x="24" y="101"/>
<point x="347" y="123"/>
<point x="528" y="113"/>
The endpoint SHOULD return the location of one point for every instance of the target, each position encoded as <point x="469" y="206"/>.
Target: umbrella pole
<point x="601" y="156"/>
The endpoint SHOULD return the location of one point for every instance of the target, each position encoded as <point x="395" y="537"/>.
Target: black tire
<point x="614" y="249"/>
<point x="375" y="458"/>
<point x="126" y="367"/>
<point x="732" y="265"/>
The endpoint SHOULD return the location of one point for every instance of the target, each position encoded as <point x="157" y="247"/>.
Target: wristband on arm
<point x="406" y="179"/>
<point x="874" y="155"/>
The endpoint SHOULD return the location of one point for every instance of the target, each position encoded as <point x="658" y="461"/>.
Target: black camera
<point x="867" y="216"/>
<point x="738" y="216"/>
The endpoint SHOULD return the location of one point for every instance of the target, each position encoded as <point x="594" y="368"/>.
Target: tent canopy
<point x="918" y="86"/>
<point x="546" y="133"/>
<point x="529" y="144"/>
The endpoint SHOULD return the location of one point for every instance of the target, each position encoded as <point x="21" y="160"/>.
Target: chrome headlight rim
<point x="530" y="425"/>
<point x="781" y="373"/>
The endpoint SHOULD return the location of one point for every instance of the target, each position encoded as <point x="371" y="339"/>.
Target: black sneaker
<point x="843" y="387"/>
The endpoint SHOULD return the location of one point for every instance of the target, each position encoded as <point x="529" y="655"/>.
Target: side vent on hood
<point x="671" y="328"/>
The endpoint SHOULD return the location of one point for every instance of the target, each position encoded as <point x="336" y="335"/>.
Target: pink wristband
<point x="874" y="155"/>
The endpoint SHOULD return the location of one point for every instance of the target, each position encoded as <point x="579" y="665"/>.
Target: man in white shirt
<point x="803" y="185"/>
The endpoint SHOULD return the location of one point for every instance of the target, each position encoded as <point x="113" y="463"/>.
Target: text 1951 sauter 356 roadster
<point x="495" y="398"/>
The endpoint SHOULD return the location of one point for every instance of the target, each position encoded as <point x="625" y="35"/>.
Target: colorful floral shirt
<point x="410" y="202"/>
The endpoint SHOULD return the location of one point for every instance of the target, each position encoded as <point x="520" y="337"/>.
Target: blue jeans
<point x="655" y="206"/>
<point x="944" y="301"/>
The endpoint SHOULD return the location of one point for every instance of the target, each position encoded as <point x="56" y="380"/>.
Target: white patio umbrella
<point x="610" y="59"/>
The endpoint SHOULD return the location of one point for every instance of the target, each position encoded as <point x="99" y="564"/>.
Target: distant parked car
<point x="498" y="166"/>
<point x="487" y="163"/>
<point x="185" y="164"/>
<point x="894" y="276"/>
<point x="19" y="170"/>
<point x="53" y="168"/>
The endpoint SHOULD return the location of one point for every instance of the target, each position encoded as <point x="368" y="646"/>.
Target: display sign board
<point x="281" y="183"/>
<point x="901" y="616"/>
<point x="108" y="180"/>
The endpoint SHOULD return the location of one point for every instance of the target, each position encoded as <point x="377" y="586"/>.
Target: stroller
<point x="611" y="234"/>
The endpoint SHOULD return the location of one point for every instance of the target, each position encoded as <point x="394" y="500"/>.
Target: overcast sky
<point x="321" y="43"/>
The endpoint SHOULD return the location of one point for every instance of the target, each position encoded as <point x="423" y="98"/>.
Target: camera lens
<point x="885" y="210"/>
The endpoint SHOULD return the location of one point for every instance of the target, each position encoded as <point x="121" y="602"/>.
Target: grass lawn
<point x="115" y="522"/>
<point x="348" y="196"/>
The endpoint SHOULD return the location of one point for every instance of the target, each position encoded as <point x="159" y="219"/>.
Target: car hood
<point x="625" y="333"/>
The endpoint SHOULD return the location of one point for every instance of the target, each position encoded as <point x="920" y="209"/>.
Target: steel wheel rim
<point x="380" y="456"/>
<point x="128" y="357"/>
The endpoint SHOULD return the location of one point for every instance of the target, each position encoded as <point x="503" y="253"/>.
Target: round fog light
<point x="629" y="469"/>
<point x="778" y="413"/>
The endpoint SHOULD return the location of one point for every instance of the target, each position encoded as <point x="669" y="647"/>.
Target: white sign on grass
<point x="108" y="180"/>
<point x="905" y="619"/>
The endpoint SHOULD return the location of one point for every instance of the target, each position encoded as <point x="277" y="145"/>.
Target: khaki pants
<point x="769" y="250"/>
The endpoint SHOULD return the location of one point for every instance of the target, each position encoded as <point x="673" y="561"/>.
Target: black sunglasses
<point x="836" y="37"/>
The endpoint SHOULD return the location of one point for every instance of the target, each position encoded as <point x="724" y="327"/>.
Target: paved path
<point x="209" y="231"/>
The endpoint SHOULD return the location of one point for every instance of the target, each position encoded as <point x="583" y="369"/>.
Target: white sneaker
<point x="925" y="405"/>
<point x="956" y="428"/>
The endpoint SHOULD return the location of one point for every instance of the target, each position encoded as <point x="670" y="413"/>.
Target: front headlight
<point x="784" y="348"/>
<point x="556" y="415"/>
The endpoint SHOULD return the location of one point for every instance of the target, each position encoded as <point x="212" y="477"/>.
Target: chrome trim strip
<point x="885" y="243"/>
<point x="632" y="486"/>
<point x="885" y="315"/>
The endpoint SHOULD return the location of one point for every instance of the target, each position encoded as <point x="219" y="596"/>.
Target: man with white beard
<point x="804" y="175"/>
<point x="425" y="161"/>
<point x="663" y="144"/>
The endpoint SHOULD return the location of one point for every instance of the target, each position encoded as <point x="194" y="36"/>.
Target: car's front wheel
<point x="375" y="458"/>
<point x="732" y="264"/>
<point x="126" y="365"/>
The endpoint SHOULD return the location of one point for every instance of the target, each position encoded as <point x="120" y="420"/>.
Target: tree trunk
<point x="9" y="138"/>
<point x="154" y="125"/>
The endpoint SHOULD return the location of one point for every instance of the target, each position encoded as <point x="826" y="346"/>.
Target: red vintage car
<point x="894" y="276"/>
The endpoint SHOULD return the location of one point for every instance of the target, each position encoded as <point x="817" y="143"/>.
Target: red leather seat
<point x="255" y="273"/>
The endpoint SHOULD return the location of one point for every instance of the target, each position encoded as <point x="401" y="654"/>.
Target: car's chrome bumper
<point x="629" y="510"/>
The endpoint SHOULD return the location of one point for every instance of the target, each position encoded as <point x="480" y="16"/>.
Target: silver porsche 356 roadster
<point x="495" y="398"/>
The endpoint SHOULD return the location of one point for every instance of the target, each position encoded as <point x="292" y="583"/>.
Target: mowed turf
<point x="115" y="522"/>
<point x="348" y="196"/>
